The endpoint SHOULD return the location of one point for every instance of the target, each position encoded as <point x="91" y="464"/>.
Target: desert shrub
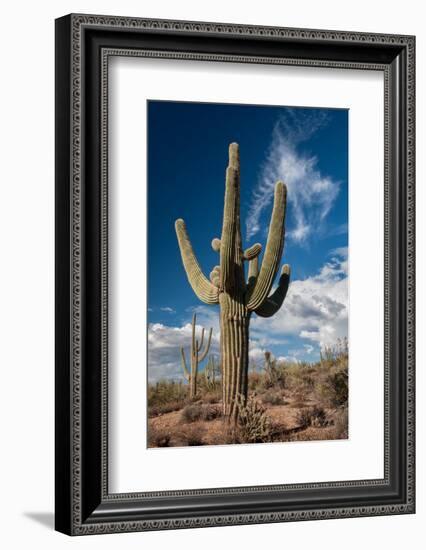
<point x="158" y="437"/>
<point x="208" y="386"/>
<point x="194" y="440"/>
<point x="336" y="355"/>
<point x="256" y="381"/>
<point x="191" y="436"/>
<point x="212" y="397"/>
<point x="312" y="416"/>
<point x="192" y="413"/>
<point x="166" y="391"/>
<point x="272" y="398"/>
<point x="339" y="384"/>
<point x="341" y="424"/>
<point x="197" y="411"/>
<point x="300" y="378"/>
<point x="254" y="425"/>
<point x="210" y="413"/>
<point x="158" y="410"/>
<point x="332" y="388"/>
<point x="261" y="381"/>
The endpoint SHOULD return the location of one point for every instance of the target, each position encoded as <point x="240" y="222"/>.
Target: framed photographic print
<point x="234" y="274"/>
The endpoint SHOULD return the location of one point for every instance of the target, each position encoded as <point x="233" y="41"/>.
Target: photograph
<point x="248" y="274"/>
<point x="234" y="272"/>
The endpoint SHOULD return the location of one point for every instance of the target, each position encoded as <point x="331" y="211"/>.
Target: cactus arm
<point x="216" y="244"/>
<point x="272" y="304"/>
<point x="205" y="352"/>
<point x="252" y="252"/>
<point x="253" y="272"/>
<point x="202" y="287"/>
<point x="194" y="344"/>
<point x="185" y="368"/>
<point x="273" y="250"/>
<point x="200" y="345"/>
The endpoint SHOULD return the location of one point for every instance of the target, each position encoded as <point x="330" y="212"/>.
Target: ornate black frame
<point x="83" y="46"/>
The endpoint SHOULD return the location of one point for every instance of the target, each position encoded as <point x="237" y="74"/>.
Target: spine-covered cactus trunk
<point x="194" y="375"/>
<point x="197" y="356"/>
<point x="234" y="329"/>
<point x="228" y="286"/>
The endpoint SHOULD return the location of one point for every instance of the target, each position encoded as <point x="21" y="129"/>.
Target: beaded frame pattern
<point x="79" y="22"/>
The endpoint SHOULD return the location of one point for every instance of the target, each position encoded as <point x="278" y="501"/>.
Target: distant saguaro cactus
<point x="227" y="286"/>
<point x="270" y="368"/>
<point x="210" y="372"/>
<point x="197" y="356"/>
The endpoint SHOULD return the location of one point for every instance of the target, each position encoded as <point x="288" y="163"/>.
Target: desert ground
<point x="287" y="401"/>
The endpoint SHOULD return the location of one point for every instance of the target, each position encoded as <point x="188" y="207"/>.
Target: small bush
<point x="191" y="436"/>
<point x="256" y="381"/>
<point x="195" y="438"/>
<point x="339" y="383"/>
<point x="300" y="378"/>
<point x="192" y="413"/>
<point x="341" y="424"/>
<point x="158" y="437"/>
<point x="210" y="413"/>
<point x="165" y="392"/>
<point x="212" y="398"/>
<point x="254" y="425"/>
<point x="195" y="412"/>
<point x="332" y="388"/>
<point x="336" y="355"/>
<point x="158" y="410"/>
<point x="313" y="416"/>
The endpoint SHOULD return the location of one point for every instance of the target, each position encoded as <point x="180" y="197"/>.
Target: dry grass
<point x="158" y="437"/>
<point x="287" y="402"/>
<point x="166" y="396"/>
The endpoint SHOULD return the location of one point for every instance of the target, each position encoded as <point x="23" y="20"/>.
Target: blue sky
<point x="307" y="148"/>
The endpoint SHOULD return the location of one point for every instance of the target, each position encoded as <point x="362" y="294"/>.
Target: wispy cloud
<point x="311" y="194"/>
<point x="167" y="310"/>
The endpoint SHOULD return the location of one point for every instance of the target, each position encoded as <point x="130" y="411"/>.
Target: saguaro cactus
<point x="197" y="356"/>
<point x="270" y="368"/>
<point x="210" y="372"/>
<point x="227" y="286"/>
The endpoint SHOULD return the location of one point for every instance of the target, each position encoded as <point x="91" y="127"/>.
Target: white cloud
<point x="164" y="343"/>
<point x="315" y="308"/>
<point x="257" y="355"/>
<point x="207" y="316"/>
<point x="311" y="194"/>
<point x="315" y="311"/>
<point x="167" y="309"/>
